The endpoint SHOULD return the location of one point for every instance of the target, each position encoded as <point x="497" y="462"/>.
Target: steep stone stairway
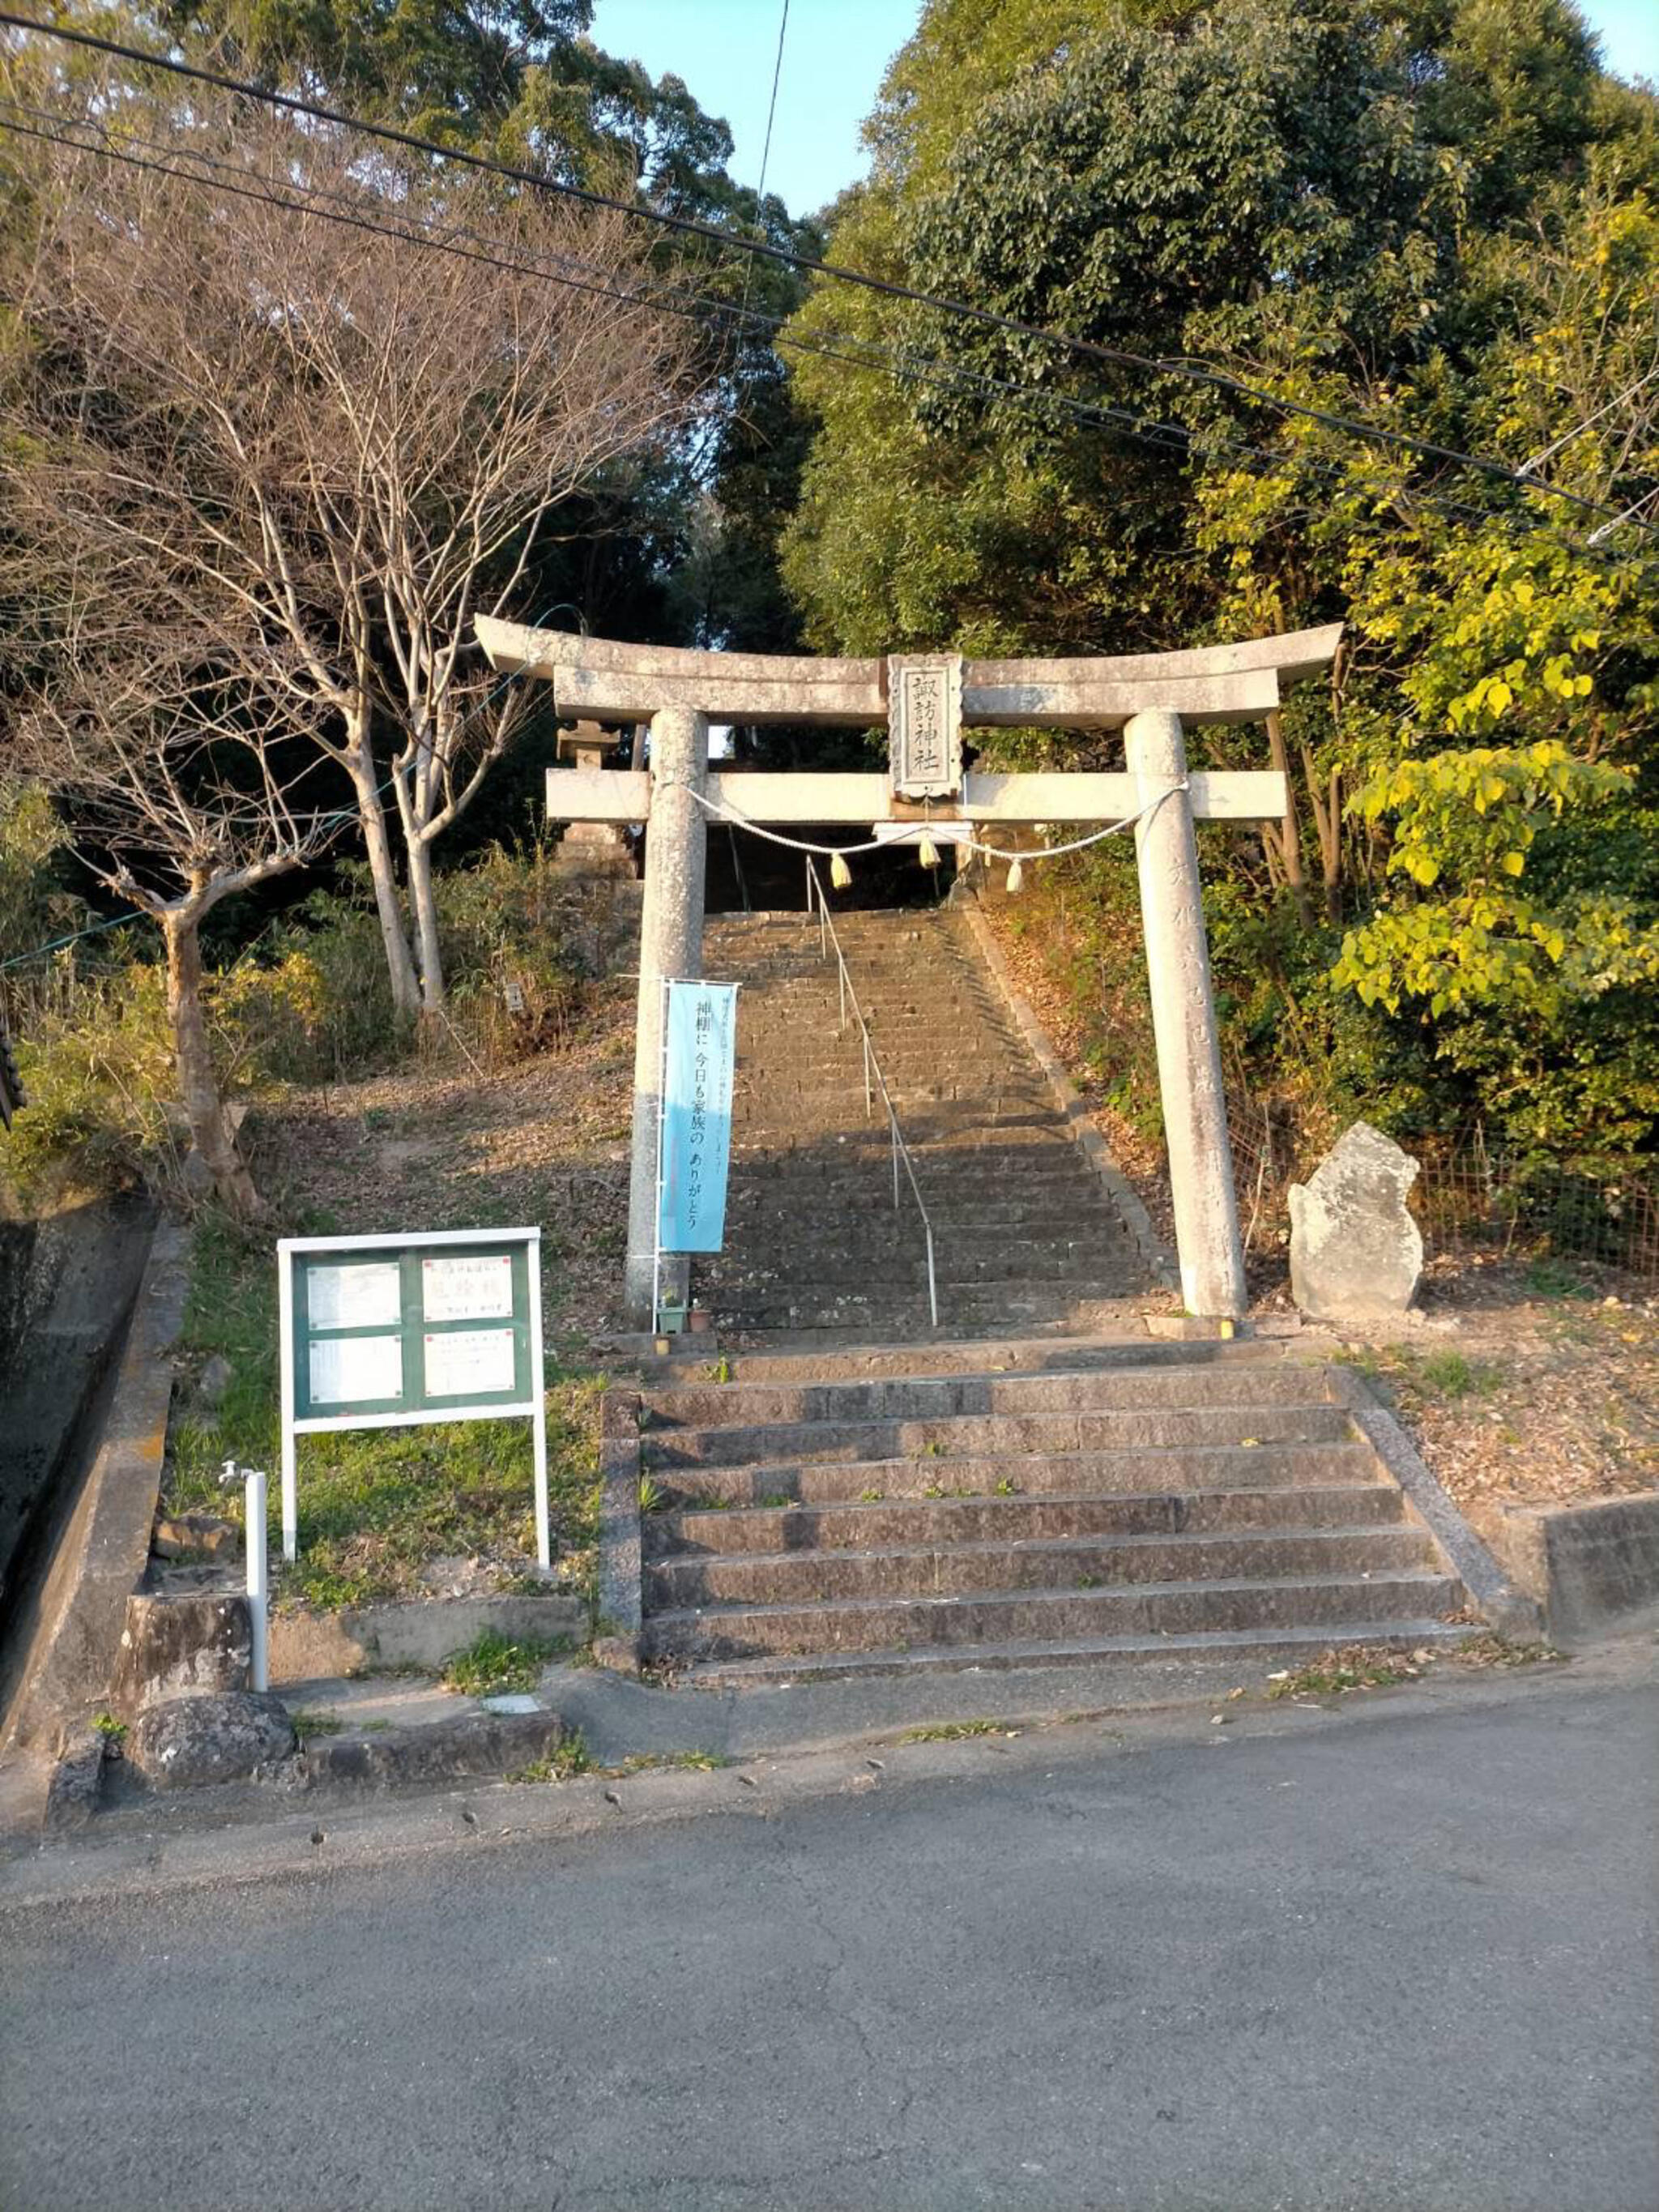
<point x="1026" y="1238"/>
<point x="1089" y="1502"/>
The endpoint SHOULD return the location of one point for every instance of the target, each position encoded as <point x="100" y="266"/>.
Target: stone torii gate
<point x="926" y="701"/>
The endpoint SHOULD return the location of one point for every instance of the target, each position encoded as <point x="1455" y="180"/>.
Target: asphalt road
<point x="1404" y="1963"/>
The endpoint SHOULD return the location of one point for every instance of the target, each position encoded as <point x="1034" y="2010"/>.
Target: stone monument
<point x="1356" y="1253"/>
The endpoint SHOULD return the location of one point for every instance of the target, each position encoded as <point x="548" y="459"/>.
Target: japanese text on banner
<point x="696" y="1115"/>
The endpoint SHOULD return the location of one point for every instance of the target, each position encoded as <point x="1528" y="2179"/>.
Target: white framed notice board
<point x="390" y="1332"/>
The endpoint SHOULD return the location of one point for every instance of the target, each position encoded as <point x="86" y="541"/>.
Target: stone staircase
<point x="1026" y="1238"/>
<point x="1092" y="1502"/>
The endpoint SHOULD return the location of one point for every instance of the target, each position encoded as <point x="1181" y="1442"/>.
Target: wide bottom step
<point x="1259" y="1649"/>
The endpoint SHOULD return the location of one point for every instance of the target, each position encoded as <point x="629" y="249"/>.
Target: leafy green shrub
<point x="308" y="1003"/>
<point x="97" y="1064"/>
<point x="334" y="1020"/>
<point x="511" y="937"/>
<point x="493" y="1662"/>
<point x="33" y="909"/>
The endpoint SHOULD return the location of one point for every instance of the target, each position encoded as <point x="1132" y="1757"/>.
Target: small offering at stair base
<point x="1356" y="1253"/>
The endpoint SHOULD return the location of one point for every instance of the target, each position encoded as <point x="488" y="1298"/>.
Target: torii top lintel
<point x="600" y="677"/>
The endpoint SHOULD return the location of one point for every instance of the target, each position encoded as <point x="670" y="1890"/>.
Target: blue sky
<point x="834" y="57"/>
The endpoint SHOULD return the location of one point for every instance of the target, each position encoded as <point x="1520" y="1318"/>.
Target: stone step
<point x="923" y="1396"/>
<point x="772" y="1235"/>
<point x="896" y="1249"/>
<point x="1258" y="1651"/>
<point x="1050" y="1212"/>
<point x="1005" y="1151"/>
<point x="1049" y="1564"/>
<point x="1044" y="1616"/>
<point x="889" y="1257"/>
<point x="840" y="1082"/>
<point x="909" y="1522"/>
<point x="982" y="1435"/>
<point x="850" y="1321"/>
<point x="968" y="1253"/>
<point x="932" y="1359"/>
<point x="921" y="1121"/>
<point x="1075" y="1211"/>
<point x="804" y="1170"/>
<point x="1168" y="1471"/>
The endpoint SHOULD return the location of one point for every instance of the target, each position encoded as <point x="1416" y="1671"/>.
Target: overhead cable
<point x="667" y="295"/>
<point x="729" y="242"/>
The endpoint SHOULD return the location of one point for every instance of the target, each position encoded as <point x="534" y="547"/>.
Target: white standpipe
<point x="259" y="1579"/>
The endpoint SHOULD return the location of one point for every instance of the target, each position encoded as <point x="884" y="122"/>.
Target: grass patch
<point x="563" y="1763"/>
<point x="953" y="1731"/>
<point x="493" y="1662"/>
<point x="1449" y="1375"/>
<point x="1549" y="1277"/>
<point x="110" y="1726"/>
<point x="376" y="1505"/>
<point x="694" y="1762"/>
<point x="307" y="1724"/>
<point x="1445" y="1377"/>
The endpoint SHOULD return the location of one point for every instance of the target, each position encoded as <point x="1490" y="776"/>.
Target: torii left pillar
<point x="671" y="951"/>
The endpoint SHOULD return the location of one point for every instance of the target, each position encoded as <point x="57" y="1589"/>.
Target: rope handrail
<point x="827" y="937"/>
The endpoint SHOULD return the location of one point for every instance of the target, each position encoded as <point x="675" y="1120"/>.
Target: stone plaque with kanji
<point x="924" y="724"/>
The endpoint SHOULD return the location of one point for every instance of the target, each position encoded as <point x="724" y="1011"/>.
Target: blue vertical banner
<point x="699" y="1054"/>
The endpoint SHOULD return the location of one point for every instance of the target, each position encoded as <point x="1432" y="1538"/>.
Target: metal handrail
<point x="874" y="1080"/>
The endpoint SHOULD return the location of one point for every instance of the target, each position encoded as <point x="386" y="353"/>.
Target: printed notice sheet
<point x="367" y="1294"/>
<point x="467" y="1286"/>
<point x="463" y="1363"/>
<point x="352" y="1371"/>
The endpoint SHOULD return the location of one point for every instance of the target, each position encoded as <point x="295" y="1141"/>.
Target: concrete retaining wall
<point x="306" y="1647"/>
<point x="1587" y="1566"/>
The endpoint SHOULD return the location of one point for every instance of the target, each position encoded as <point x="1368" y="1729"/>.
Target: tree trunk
<point x="1328" y="821"/>
<point x="198" y="1087"/>
<point x="424" y="901"/>
<point x="1289" y="839"/>
<point x="400" y="964"/>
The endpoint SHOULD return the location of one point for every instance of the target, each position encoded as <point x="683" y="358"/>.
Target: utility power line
<point x="666" y="295"/>
<point x="728" y="241"/>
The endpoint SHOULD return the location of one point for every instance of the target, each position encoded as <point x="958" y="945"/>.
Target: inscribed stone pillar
<point x="670" y="949"/>
<point x="1184" y="1023"/>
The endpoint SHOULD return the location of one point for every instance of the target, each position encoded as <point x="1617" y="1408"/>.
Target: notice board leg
<point x="538" y="1391"/>
<point x="544" y="1532"/>
<point x="290" y="1498"/>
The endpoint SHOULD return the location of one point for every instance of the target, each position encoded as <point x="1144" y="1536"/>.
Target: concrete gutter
<point x="75" y="1641"/>
<point x="1072" y="1105"/>
<point x="1510" y="1610"/>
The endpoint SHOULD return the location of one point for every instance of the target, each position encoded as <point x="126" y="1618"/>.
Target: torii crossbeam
<point x="926" y="701"/>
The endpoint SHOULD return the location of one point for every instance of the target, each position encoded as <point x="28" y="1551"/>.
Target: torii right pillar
<point x="1207" y="1244"/>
